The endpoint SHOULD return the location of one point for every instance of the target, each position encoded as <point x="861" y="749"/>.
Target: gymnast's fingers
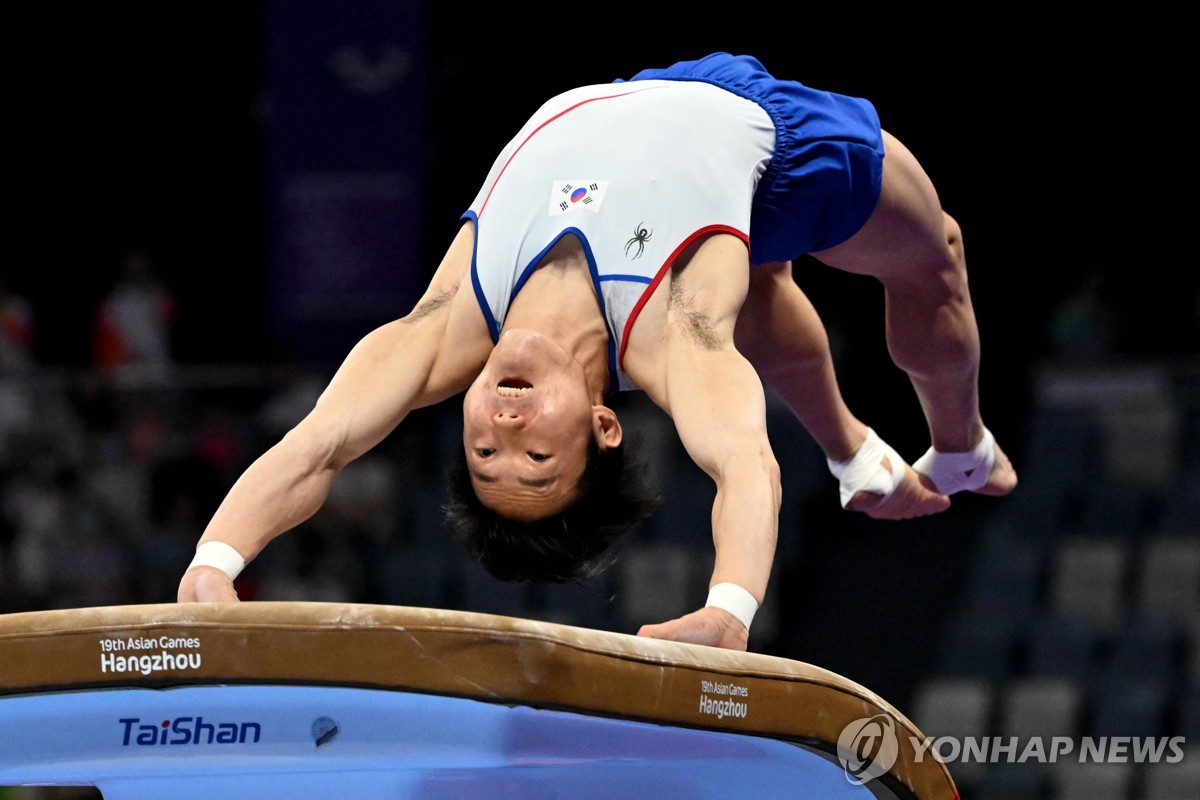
<point x="708" y="626"/>
<point x="206" y="585"/>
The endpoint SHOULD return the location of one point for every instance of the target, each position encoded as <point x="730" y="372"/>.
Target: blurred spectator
<point x="16" y="366"/>
<point x="295" y="393"/>
<point x="182" y="488"/>
<point x="16" y="332"/>
<point x="134" y="320"/>
<point x="64" y="553"/>
<point x="17" y="413"/>
<point x="1083" y="326"/>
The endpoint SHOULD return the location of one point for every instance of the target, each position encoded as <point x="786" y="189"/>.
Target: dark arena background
<point x="212" y="204"/>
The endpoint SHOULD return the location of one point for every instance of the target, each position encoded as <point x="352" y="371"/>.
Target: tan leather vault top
<point x="480" y="656"/>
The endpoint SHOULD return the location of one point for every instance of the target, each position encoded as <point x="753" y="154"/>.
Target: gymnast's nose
<point x="510" y="418"/>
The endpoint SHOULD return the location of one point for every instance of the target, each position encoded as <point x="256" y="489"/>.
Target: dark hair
<point x="569" y="546"/>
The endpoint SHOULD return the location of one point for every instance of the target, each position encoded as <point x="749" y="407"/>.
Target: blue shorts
<point x="827" y="169"/>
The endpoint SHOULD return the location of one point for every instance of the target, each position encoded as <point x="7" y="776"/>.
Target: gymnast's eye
<point x="484" y="452"/>
<point x="538" y="456"/>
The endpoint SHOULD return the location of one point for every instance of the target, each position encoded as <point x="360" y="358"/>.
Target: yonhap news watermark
<point x="869" y="747"/>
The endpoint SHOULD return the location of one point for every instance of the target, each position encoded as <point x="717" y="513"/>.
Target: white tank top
<point x="637" y="171"/>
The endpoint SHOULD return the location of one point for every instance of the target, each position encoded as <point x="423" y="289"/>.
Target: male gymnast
<point x="639" y="235"/>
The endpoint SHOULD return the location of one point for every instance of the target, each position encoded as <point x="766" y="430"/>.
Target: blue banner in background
<point x="344" y="106"/>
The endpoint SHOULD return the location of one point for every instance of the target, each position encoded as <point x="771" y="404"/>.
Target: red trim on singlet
<point x="637" y="308"/>
<point x="544" y="124"/>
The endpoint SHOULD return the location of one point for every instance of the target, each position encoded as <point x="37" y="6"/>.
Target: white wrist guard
<point x="959" y="472"/>
<point x="734" y="599"/>
<point x="864" y="471"/>
<point x="221" y="556"/>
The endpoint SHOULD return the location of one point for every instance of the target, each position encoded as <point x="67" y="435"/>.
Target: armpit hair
<point x="696" y="324"/>
<point x="427" y="307"/>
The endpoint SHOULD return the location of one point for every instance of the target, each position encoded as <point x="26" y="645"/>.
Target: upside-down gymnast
<point x="638" y="235"/>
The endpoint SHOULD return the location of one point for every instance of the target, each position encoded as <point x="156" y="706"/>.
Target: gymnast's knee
<point x="941" y="274"/>
<point x="953" y="238"/>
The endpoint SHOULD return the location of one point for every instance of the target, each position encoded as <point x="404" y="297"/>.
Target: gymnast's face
<point x="526" y="423"/>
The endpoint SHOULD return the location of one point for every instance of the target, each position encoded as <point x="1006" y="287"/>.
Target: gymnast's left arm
<point x="719" y="407"/>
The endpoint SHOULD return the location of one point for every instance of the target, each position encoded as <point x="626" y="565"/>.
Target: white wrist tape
<point x="960" y="472"/>
<point x="221" y="556"/>
<point x="734" y="599"/>
<point x="865" y="472"/>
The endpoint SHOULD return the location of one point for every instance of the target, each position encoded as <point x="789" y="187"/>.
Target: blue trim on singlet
<point x="628" y="278"/>
<point x="494" y="326"/>
<point x="594" y="270"/>
<point x="529" y="268"/>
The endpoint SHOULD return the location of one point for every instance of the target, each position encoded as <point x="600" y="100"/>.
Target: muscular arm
<point x="384" y="377"/>
<point x="718" y="404"/>
<point x="412" y="362"/>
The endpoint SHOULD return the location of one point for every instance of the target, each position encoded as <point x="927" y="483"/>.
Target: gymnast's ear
<point x="606" y="427"/>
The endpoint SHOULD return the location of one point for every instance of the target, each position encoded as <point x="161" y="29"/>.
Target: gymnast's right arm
<point x="421" y="359"/>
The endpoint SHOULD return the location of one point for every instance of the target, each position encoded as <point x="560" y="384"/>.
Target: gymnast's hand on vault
<point x="206" y="585"/>
<point x="710" y="625"/>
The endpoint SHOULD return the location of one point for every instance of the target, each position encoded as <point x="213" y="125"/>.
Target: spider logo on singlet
<point x="641" y="235"/>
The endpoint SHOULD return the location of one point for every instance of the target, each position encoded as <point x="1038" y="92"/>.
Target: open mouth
<point x="513" y="387"/>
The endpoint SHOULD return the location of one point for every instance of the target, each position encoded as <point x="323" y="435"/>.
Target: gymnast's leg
<point x="915" y="249"/>
<point x="781" y="334"/>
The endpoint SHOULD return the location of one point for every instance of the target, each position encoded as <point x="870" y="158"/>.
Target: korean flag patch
<point x="568" y="196"/>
